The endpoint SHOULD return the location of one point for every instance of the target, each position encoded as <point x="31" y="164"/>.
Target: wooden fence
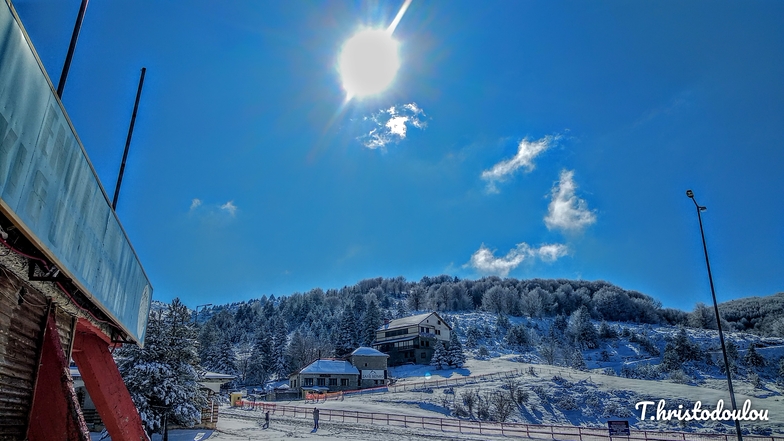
<point x="458" y="381"/>
<point x="535" y="431"/>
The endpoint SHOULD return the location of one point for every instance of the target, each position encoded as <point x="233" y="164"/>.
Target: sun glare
<point x="368" y="62"/>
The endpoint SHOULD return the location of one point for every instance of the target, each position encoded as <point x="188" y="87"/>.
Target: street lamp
<point x="196" y="319"/>
<point x="700" y="209"/>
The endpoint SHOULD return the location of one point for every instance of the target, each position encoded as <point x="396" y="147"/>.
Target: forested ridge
<point x="272" y="336"/>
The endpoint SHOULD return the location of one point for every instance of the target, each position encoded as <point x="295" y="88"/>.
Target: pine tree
<point x="439" y="359"/>
<point x="582" y="331"/>
<point x="370" y="323"/>
<point x="279" y="344"/>
<point x="226" y="362"/>
<point x="209" y="338"/>
<point x="753" y="358"/>
<point x="344" y="340"/>
<point x="162" y="378"/>
<point x="260" y="366"/>
<point x="455" y="355"/>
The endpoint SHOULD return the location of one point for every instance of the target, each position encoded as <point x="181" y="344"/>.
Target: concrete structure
<point x="412" y="339"/>
<point x="372" y="366"/>
<point x="71" y="285"/>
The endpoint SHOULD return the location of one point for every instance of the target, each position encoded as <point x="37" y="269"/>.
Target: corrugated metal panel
<point x="50" y="190"/>
<point x="65" y="325"/>
<point x="20" y="337"/>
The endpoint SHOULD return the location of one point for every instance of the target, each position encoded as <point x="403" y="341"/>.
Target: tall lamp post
<point x="196" y="319"/>
<point x="700" y="209"/>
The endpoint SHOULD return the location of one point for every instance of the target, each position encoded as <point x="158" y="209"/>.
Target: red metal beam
<point x="55" y="413"/>
<point x="105" y="385"/>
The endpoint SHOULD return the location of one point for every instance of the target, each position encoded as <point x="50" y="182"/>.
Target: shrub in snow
<point x="680" y="350"/>
<point x="566" y="403"/>
<point x="647" y="344"/>
<point x="517" y="337"/>
<point x="581" y="330"/>
<point x="606" y="331"/>
<point x="541" y="393"/>
<point x="500" y="406"/>
<point x="753" y="358"/>
<point x="483" y="352"/>
<point x="679" y="376"/>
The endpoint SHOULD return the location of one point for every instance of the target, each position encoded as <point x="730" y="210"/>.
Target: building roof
<point x="366" y="351"/>
<point x="329" y="367"/>
<point x="410" y="321"/>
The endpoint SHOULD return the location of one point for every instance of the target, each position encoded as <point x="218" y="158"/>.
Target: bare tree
<point x="501" y="404"/>
<point x="469" y="398"/>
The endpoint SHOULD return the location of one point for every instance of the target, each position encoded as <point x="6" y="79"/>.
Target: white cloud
<point x="195" y="203"/>
<point x="485" y="261"/>
<point x="391" y="125"/>
<point x="551" y="252"/>
<point x="526" y="152"/>
<point x="229" y="207"/>
<point x="567" y="211"/>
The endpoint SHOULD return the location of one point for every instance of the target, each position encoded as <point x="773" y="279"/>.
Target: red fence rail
<point x="535" y="431"/>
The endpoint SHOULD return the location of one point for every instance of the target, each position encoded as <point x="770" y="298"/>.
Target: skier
<point x="315" y="418"/>
<point x="266" y="420"/>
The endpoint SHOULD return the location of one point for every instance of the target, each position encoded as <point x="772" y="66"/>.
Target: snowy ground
<point x="557" y="395"/>
<point x="591" y="399"/>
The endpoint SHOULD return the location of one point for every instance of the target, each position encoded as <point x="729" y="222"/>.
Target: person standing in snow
<point x="266" y="420"/>
<point x="315" y="418"/>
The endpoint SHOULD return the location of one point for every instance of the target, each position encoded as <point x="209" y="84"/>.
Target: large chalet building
<point x="412" y="339"/>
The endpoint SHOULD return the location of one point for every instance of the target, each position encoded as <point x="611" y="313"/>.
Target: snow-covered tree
<point x="439" y="359"/>
<point x="280" y="343"/>
<point x="454" y="353"/>
<point x="517" y="337"/>
<point x="753" y="358"/>
<point x="260" y="364"/>
<point x="345" y="341"/>
<point x="226" y="360"/>
<point x="582" y="331"/>
<point x="163" y="377"/>
<point x="371" y="321"/>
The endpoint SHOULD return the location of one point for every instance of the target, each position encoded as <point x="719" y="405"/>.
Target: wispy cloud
<point x="391" y="125"/>
<point x="485" y="261"/>
<point x="229" y="207"/>
<point x="566" y="211"/>
<point x="526" y="152"/>
<point x="212" y="211"/>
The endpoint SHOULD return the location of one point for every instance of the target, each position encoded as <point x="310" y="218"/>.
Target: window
<point x="322" y="381"/>
<point x="344" y="381"/>
<point x="439" y="322"/>
<point x="308" y="382"/>
<point x="438" y="332"/>
<point x="293" y="384"/>
<point x="333" y="381"/>
<point x="365" y="364"/>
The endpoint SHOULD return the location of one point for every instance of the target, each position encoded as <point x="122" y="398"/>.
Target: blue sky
<point x="525" y="139"/>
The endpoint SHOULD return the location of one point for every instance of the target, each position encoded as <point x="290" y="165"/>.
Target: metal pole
<point x="71" y="47"/>
<point x="690" y="194"/>
<point x="128" y="140"/>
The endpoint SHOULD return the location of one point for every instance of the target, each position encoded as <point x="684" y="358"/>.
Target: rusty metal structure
<point x="71" y="285"/>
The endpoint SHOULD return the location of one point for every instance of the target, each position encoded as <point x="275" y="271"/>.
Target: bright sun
<point x="368" y="62"/>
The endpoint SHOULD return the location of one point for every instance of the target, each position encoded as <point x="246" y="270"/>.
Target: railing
<point x="459" y="381"/>
<point x="534" y="431"/>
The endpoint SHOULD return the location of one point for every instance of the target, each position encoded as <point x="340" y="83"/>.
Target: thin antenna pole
<point x="71" y="47"/>
<point x="128" y="140"/>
